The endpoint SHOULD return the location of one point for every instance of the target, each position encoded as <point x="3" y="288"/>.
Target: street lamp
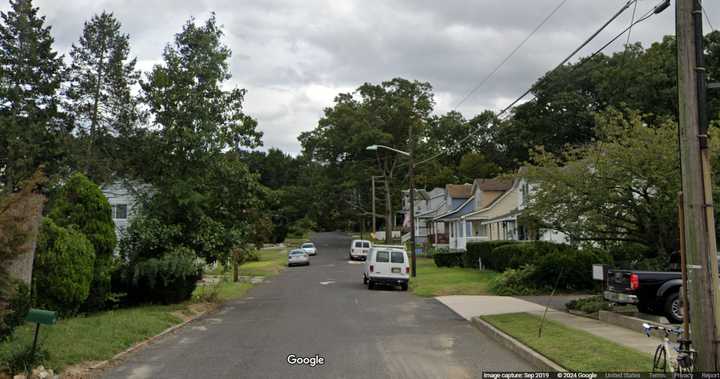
<point x="411" y="180"/>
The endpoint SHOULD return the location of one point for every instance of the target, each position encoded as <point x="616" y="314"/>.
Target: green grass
<point x="97" y="337"/>
<point x="576" y="350"/>
<point x="272" y="262"/>
<point x="441" y="281"/>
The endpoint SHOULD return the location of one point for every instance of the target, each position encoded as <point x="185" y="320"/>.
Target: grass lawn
<point x="576" y="350"/>
<point x="440" y="281"/>
<point x="99" y="336"/>
<point x="271" y="262"/>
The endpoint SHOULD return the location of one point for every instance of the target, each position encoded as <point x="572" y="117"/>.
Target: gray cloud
<point x="293" y="56"/>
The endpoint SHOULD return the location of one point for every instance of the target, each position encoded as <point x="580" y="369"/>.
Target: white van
<point x="359" y="249"/>
<point x="387" y="265"/>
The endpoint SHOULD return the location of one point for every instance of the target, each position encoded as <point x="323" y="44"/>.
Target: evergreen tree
<point x="103" y="107"/>
<point x="32" y="132"/>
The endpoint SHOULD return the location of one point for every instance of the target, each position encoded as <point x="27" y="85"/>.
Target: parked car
<point x="359" y="249"/>
<point x="298" y="257"/>
<point x="309" y="248"/>
<point x="387" y="265"/>
<point x="653" y="292"/>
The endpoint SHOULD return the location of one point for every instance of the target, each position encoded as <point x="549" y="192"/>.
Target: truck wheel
<point x="365" y="281"/>
<point x="674" y="308"/>
<point x="404" y="286"/>
<point x="371" y="285"/>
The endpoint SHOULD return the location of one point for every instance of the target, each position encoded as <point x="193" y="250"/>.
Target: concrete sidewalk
<point x="473" y="306"/>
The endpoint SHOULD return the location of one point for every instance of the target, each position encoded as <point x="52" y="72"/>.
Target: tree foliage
<point x="621" y="188"/>
<point x="81" y="205"/>
<point x="63" y="268"/>
<point x="32" y="129"/>
<point x="99" y="92"/>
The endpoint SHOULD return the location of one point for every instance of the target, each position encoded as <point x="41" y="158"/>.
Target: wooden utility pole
<point x="374" y="228"/>
<point x="411" y="180"/>
<point x="702" y="267"/>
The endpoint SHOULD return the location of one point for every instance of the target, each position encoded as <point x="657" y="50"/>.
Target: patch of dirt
<point x="81" y="371"/>
<point x="193" y="310"/>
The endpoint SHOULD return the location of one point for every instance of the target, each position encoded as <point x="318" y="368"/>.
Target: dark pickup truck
<point x="653" y="292"/>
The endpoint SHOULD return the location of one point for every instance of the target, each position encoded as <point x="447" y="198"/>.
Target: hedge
<point x="482" y="250"/>
<point x="449" y="259"/>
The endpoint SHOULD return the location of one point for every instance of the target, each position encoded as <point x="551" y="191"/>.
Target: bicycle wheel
<point x="660" y="359"/>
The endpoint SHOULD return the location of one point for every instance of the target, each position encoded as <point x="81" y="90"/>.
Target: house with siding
<point x="442" y="222"/>
<point x="427" y="204"/>
<point x="123" y="197"/>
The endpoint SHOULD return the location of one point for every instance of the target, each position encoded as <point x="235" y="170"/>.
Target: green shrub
<point x="574" y="265"/>
<point x="20" y="357"/>
<point x="515" y="282"/>
<point x="169" y="279"/>
<point x="482" y="250"/>
<point x="63" y="268"/>
<point x="448" y="259"/>
<point x="81" y="203"/>
<point x="13" y="315"/>
<point x="589" y="304"/>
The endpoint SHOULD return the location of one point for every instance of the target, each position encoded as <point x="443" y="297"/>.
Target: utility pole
<point x="374" y="229"/>
<point x="411" y="179"/>
<point x="702" y="267"/>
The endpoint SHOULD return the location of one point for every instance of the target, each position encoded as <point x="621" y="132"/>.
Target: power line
<point x="707" y="17"/>
<point x="507" y="58"/>
<point x="655" y="10"/>
<point x="632" y="20"/>
<point x="587" y="41"/>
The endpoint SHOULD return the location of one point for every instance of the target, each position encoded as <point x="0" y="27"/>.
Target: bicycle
<point x="683" y="359"/>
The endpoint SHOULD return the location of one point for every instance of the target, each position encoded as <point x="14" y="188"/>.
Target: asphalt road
<point x="324" y="310"/>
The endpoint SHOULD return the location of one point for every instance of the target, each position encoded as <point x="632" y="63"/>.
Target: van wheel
<point x="371" y="285"/>
<point x="674" y="308"/>
<point x="404" y="286"/>
<point x="365" y="281"/>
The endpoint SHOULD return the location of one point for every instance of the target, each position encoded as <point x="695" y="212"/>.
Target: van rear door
<point x="398" y="264"/>
<point x="381" y="263"/>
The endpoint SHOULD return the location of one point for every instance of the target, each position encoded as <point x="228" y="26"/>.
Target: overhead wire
<point x="512" y="53"/>
<point x="585" y="43"/>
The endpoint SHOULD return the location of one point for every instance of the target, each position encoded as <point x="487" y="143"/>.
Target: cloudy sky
<point x="293" y="57"/>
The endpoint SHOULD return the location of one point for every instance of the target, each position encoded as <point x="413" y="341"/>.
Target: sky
<point x="294" y="57"/>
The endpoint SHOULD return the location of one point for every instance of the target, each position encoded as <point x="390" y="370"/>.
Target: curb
<point x="516" y="346"/>
<point x="631" y="323"/>
<point x="106" y="363"/>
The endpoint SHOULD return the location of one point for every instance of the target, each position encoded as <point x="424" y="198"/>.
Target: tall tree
<point x="32" y="133"/>
<point x="621" y="188"/>
<point x="198" y="119"/>
<point x="375" y="114"/>
<point x="101" y="102"/>
<point x="202" y="184"/>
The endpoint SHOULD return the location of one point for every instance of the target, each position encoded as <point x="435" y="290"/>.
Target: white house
<point x="499" y="204"/>
<point x="427" y="204"/>
<point x="123" y="197"/>
<point x="456" y="202"/>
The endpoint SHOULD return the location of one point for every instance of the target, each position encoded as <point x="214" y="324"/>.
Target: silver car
<point x="298" y="257"/>
<point x="309" y="248"/>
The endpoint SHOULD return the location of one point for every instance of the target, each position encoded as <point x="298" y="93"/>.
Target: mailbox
<point x="41" y="316"/>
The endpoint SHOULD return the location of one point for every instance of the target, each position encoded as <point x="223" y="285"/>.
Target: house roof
<point x="467" y="207"/>
<point x="459" y="191"/>
<point x="494" y="184"/>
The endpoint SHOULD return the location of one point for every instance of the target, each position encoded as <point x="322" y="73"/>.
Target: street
<point x="323" y="310"/>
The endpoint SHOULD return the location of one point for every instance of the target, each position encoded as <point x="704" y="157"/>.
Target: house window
<point x="119" y="211"/>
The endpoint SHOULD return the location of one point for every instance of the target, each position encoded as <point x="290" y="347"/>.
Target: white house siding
<point x="123" y="204"/>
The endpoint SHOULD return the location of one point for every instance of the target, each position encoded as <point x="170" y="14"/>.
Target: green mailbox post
<point x="39" y="316"/>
